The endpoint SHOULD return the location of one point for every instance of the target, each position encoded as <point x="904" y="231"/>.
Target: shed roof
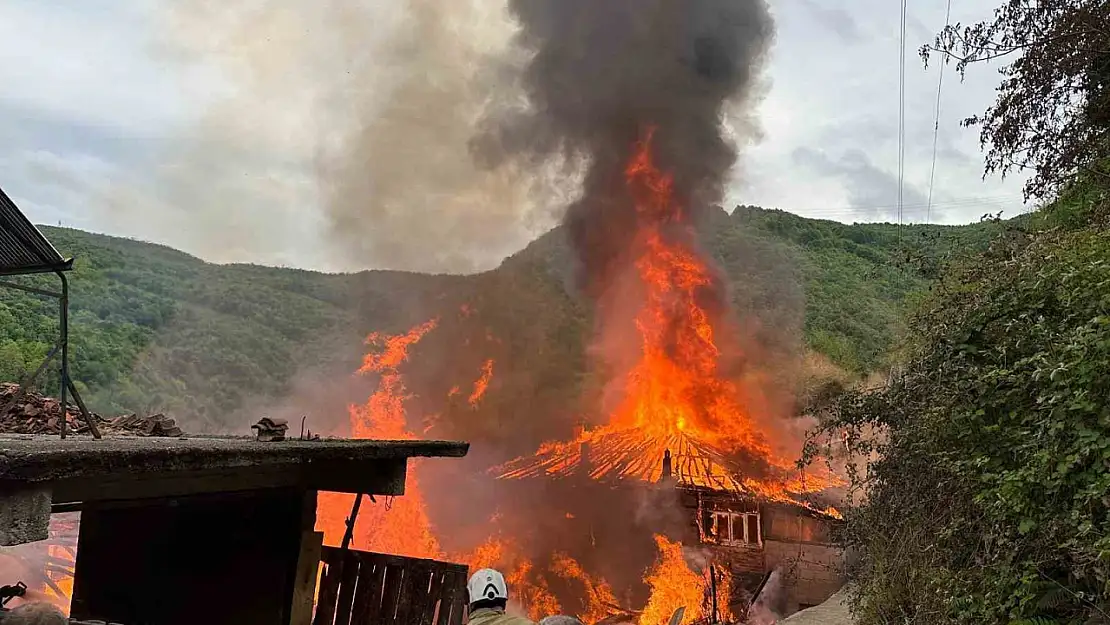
<point x="81" y="469"/>
<point x="23" y="249"/>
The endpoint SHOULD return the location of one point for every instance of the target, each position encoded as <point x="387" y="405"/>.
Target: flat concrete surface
<point x="34" y="458"/>
<point x="832" y="612"/>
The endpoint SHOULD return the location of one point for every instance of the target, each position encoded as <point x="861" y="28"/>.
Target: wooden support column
<point x="308" y="564"/>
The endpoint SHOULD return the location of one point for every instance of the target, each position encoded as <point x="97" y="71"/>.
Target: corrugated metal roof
<point x="23" y="249"/>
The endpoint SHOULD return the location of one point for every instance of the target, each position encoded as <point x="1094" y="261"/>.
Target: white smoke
<point x="349" y="122"/>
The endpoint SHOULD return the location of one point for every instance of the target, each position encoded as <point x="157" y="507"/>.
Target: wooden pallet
<point x="364" y="588"/>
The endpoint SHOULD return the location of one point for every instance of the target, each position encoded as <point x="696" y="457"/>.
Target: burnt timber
<point x="783" y="548"/>
<point x="217" y="530"/>
<point x="753" y="539"/>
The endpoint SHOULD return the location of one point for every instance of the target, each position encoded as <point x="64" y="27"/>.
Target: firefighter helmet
<point x="487" y="585"/>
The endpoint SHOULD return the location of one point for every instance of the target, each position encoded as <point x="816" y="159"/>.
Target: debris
<point x="307" y="435"/>
<point x="271" y="429"/>
<point x="36" y="414"/>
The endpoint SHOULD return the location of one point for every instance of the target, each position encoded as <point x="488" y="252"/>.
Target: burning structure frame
<point x="767" y="551"/>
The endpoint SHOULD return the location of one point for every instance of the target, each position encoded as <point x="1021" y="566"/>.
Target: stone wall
<point x="811" y="573"/>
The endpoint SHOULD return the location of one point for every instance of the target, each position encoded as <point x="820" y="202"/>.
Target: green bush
<point x="988" y="491"/>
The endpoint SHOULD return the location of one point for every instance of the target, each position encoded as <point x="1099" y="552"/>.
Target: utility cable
<point x="901" y="109"/>
<point x="936" y="117"/>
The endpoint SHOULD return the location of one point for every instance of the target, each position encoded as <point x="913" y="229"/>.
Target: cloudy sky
<point x="332" y="134"/>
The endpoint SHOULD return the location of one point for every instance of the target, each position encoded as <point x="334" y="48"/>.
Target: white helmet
<point x="487" y="585"/>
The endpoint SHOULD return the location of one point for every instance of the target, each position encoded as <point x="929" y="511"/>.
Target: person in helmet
<point x="488" y="597"/>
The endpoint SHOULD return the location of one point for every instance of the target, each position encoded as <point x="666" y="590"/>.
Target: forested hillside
<point x="156" y="329"/>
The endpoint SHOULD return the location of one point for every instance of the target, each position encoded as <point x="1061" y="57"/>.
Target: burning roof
<point x="616" y="455"/>
<point x="675" y="397"/>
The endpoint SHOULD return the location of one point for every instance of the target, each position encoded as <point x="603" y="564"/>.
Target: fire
<point x="481" y="384"/>
<point x="675" y="397"/>
<point x="673" y="585"/>
<point x="398" y="526"/>
<point x="532" y="593"/>
<point x="676" y="400"/>
<point x="60" y="561"/>
<point x="599" y="598"/>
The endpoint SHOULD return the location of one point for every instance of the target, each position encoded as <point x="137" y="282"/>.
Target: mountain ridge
<point x="155" y="329"/>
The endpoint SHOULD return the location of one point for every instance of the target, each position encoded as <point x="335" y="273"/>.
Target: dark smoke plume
<point x="605" y="71"/>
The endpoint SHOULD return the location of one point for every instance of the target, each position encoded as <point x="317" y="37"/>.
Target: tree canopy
<point x="1052" y="113"/>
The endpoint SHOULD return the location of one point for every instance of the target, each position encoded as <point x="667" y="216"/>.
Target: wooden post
<point x="308" y="568"/>
<point x="713" y="593"/>
<point x="349" y="534"/>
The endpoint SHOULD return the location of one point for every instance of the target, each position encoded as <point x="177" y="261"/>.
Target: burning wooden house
<point x="769" y="537"/>
<point x="219" y="530"/>
<point x="753" y="536"/>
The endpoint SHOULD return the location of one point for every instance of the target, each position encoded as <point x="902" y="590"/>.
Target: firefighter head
<point x="487" y="589"/>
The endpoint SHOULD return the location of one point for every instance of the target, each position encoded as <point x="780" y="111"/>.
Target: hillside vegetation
<point x="984" y="463"/>
<point x="157" y="329"/>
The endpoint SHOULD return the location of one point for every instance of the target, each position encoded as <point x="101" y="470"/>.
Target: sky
<point x="332" y="135"/>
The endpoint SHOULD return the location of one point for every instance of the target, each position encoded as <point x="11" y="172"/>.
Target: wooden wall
<point x="227" y="560"/>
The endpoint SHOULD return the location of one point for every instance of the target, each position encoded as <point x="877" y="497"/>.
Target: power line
<point x="817" y="211"/>
<point x="909" y="208"/>
<point x="901" y="109"/>
<point x="936" y="117"/>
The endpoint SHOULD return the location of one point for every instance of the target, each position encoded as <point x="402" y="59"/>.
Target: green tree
<point x="1052" y="113"/>
<point x="12" y="366"/>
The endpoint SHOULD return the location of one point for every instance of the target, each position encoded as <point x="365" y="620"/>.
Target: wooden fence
<point x="364" y="588"/>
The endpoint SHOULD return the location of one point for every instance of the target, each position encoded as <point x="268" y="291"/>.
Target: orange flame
<point x="675" y="398"/>
<point x="673" y="585"/>
<point x="399" y="526"/>
<point x="599" y="598"/>
<point x="61" y="576"/>
<point x="529" y="591"/>
<point x="481" y="384"/>
<point x="533" y="594"/>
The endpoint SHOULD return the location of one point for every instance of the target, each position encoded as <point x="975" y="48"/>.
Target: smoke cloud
<point x="348" y="123"/>
<point x="604" y="72"/>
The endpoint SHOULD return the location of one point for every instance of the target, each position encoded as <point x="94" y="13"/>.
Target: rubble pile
<point x="36" y="414"/>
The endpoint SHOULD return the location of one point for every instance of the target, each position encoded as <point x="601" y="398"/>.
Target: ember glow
<point x="530" y="592"/>
<point x="59" y="569"/>
<point x="599" y="600"/>
<point x="45" y="566"/>
<point x="481" y="384"/>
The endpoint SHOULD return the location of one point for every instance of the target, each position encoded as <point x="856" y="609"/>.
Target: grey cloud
<point x="917" y="34"/>
<point x="835" y="19"/>
<point x="949" y="151"/>
<point x="866" y="133"/>
<point x="872" y="191"/>
<point x="26" y="128"/>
